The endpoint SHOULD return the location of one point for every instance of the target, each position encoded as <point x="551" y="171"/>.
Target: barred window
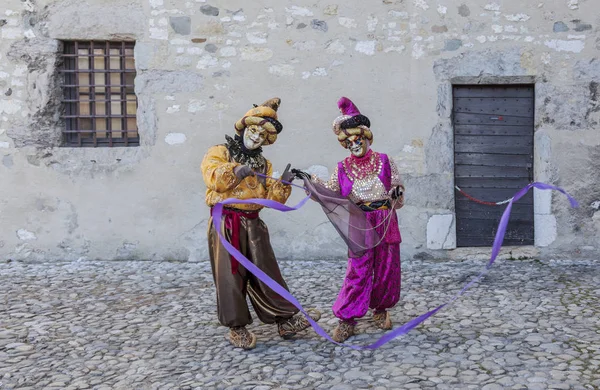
<point x="99" y="100"/>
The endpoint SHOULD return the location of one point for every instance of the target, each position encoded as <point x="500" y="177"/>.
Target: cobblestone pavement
<point x="147" y="325"/>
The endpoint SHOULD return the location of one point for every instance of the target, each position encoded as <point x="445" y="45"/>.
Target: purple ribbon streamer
<point x="408" y="326"/>
<point x="506" y="215"/>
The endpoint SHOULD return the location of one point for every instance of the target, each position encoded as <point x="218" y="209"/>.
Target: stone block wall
<point x="200" y="66"/>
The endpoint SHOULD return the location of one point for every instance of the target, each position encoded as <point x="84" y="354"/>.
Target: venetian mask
<point x="357" y="145"/>
<point x="254" y="137"/>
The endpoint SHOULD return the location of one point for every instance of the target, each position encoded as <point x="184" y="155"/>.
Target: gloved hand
<point x="301" y="174"/>
<point x="288" y="176"/>
<point x="398" y="196"/>
<point x="242" y="171"/>
<point x="396" y="193"/>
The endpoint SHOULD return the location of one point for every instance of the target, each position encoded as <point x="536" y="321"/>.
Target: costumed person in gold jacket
<point x="229" y="172"/>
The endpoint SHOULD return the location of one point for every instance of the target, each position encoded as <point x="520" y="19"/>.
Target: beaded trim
<point x="358" y="170"/>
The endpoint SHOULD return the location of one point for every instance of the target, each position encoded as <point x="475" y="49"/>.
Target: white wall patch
<point x="365" y="47"/>
<point x="492" y="7"/>
<point x="517" y="17"/>
<point x="175" y="138"/>
<point x="282" y="70"/>
<point x="421" y="4"/>
<point x="298" y="11"/>
<point x="256" y="54"/>
<point x="335" y="47"/>
<point x="347" y="22"/>
<point x="569" y="46"/>
<point x="195" y="105"/>
<point x="441" y="233"/>
<point x="173" y="109"/>
<point x="26" y="235"/>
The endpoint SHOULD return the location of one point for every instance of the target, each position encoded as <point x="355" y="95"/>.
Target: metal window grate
<point x="98" y="94"/>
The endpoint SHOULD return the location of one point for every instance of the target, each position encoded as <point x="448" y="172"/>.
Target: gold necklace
<point x="252" y="180"/>
<point x="359" y="169"/>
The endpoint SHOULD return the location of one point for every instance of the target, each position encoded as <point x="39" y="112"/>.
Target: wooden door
<point x="493" y="156"/>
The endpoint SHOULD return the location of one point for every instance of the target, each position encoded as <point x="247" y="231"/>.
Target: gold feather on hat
<point x="272" y="103"/>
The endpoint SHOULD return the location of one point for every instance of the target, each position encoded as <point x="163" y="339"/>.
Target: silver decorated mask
<point x="254" y="137"/>
<point x="357" y="145"/>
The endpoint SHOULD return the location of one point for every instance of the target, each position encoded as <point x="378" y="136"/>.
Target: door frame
<point x="545" y="226"/>
<point x="527" y="153"/>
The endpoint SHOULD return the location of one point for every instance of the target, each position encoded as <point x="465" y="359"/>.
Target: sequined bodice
<point x="364" y="178"/>
<point x="368" y="189"/>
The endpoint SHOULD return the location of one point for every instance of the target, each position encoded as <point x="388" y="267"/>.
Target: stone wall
<point x="200" y="66"/>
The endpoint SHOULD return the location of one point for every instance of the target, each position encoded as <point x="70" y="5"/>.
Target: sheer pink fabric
<point x="348" y="219"/>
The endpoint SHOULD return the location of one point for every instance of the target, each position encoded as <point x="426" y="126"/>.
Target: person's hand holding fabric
<point x="242" y="171"/>
<point x="397" y="195"/>
<point x="287" y="175"/>
<point x="301" y="174"/>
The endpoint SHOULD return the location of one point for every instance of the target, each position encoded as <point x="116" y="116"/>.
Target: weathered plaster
<point x="200" y="65"/>
<point x="441" y="232"/>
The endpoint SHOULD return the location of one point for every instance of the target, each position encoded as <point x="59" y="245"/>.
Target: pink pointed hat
<point x="347" y="107"/>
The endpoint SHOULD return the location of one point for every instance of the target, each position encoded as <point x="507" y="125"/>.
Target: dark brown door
<point x="493" y="157"/>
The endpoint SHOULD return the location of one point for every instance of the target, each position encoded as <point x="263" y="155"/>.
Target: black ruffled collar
<point x="253" y="158"/>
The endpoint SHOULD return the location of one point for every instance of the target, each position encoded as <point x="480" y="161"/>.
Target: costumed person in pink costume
<point x="370" y="180"/>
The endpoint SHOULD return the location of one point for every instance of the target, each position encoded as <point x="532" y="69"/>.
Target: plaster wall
<point x="200" y="66"/>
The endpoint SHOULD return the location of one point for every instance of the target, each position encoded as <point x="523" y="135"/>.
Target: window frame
<point x="99" y="114"/>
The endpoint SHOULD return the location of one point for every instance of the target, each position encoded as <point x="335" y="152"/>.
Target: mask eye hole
<point x="253" y="130"/>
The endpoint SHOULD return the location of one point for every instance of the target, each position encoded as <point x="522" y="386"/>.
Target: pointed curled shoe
<point x="288" y="328"/>
<point x="382" y="320"/>
<point x="343" y="332"/>
<point x="240" y="337"/>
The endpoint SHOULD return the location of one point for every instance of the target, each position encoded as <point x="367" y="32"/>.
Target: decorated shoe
<point x="382" y="320"/>
<point x="288" y="328"/>
<point x="240" y="337"/>
<point x="343" y="331"/>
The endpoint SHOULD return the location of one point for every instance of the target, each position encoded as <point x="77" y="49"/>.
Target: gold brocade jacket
<point x="221" y="183"/>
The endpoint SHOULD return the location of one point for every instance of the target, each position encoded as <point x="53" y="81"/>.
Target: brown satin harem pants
<point x="232" y="288"/>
